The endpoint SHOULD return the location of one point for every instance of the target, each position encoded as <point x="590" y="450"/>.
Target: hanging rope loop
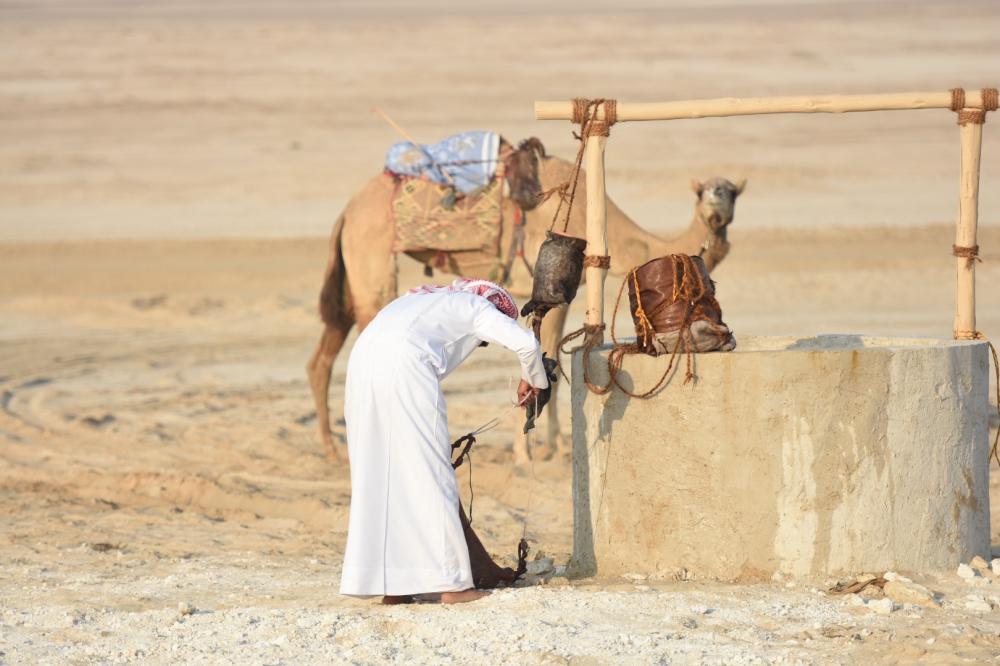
<point x="585" y="112"/>
<point x="593" y="335"/>
<point x="979" y="335"/>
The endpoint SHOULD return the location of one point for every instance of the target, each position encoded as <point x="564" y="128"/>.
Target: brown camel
<point x="361" y="272"/>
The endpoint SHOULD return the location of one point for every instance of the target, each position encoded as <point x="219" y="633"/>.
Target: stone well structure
<point x="825" y="455"/>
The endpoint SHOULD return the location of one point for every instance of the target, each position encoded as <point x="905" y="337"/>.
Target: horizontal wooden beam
<point x="748" y="106"/>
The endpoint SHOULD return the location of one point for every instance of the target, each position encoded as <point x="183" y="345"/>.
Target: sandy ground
<point x="157" y="441"/>
<point x="154" y="401"/>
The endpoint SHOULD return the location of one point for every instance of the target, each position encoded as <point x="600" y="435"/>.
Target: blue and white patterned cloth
<point x="470" y="158"/>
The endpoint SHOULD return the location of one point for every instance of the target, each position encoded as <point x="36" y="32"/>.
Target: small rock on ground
<point x="909" y="593"/>
<point x="966" y="572"/>
<point x="978" y="604"/>
<point x="979" y="564"/>
<point x="882" y="606"/>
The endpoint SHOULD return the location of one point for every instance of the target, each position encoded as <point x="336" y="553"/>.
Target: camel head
<point x="522" y="173"/>
<point x="716" y="201"/>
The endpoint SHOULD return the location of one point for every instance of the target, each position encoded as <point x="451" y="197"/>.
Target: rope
<point x="990" y="102"/>
<point x="688" y="287"/>
<point x="598" y="128"/>
<point x="592" y="334"/>
<point x="617" y="356"/>
<point x="640" y="313"/>
<point x="996" y="369"/>
<point x="567" y="191"/>
<point x="991" y="99"/>
<point x="969" y="253"/>
<point x="522" y="545"/>
<point x="597" y="261"/>
<point x="468" y="440"/>
<point x="979" y="335"/>
<point x="857" y="586"/>
<point x="957" y="99"/>
<point x="582" y="105"/>
<point x="584" y="115"/>
<point x="973" y="116"/>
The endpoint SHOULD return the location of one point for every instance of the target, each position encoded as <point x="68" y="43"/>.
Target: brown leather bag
<point x="673" y="305"/>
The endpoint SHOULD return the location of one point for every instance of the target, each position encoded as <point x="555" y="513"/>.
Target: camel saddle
<point x="422" y="221"/>
<point x="673" y="305"/>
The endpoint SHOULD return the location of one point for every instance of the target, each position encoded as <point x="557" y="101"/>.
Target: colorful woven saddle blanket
<point x="467" y="161"/>
<point x="424" y="223"/>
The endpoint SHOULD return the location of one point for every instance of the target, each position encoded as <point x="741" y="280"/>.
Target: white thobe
<point x="404" y="534"/>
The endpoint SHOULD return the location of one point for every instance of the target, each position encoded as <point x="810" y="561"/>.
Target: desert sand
<point x="168" y="174"/>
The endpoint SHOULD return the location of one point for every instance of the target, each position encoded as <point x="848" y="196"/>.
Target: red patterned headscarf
<point x="491" y="291"/>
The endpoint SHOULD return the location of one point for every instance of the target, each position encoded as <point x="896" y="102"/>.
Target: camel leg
<point x="521" y="452"/>
<point x="318" y="368"/>
<point x="360" y="278"/>
<point x="552" y="333"/>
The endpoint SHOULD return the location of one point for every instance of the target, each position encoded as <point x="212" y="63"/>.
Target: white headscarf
<point x="491" y="291"/>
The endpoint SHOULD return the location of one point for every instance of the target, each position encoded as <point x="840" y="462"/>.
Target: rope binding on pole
<point x="966" y="116"/>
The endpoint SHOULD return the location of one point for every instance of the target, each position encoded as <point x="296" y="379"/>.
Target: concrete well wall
<point x="824" y="455"/>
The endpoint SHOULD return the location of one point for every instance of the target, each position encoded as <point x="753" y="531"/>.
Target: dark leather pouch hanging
<point x="558" y="271"/>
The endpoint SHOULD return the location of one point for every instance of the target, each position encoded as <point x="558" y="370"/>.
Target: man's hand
<point x="526" y="393"/>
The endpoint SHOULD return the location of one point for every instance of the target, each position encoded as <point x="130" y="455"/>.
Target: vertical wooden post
<point x="597" y="228"/>
<point x="971" y="137"/>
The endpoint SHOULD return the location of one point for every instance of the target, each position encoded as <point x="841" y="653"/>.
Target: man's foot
<point x="392" y="600"/>
<point x="464" y="596"/>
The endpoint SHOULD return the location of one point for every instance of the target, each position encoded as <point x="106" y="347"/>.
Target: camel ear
<point x="740" y="185"/>
<point x="534" y="143"/>
<point x="697" y="187"/>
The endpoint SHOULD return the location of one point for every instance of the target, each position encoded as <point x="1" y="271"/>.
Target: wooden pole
<point x="597" y="228"/>
<point x="731" y="106"/>
<point x="971" y="137"/>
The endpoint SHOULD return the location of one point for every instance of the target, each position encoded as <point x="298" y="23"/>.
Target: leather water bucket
<point x="558" y="271"/>
<point x="673" y="306"/>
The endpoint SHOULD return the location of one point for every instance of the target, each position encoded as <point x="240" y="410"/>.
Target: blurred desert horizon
<point x="253" y="119"/>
